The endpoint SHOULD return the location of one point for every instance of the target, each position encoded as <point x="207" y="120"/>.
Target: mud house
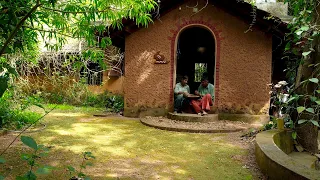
<point x="231" y="40"/>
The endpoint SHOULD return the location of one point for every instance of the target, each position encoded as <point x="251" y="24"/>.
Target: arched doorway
<point x="195" y="56"/>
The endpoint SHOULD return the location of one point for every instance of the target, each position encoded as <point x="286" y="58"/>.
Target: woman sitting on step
<point x="206" y="91"/>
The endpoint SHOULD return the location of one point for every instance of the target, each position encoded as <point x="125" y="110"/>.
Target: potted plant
<point x="279" y="96"/>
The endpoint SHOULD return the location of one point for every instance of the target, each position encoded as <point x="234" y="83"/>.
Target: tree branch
<point x="80" y="12"/>
<point x="49" y="31"/>
<point x="26" y="129"/>
<point x="18" y="26"/>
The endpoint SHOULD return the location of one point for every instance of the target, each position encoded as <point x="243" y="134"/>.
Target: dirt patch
<point x="248" y="160"/>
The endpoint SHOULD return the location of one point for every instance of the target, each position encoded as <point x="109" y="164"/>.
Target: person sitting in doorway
<point x="181" y="91"/>
<point x="206" y="92"/>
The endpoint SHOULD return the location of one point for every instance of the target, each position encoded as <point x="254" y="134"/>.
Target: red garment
<point x="202" y="104"/>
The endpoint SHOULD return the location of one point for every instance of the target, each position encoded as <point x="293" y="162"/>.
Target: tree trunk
<point x="307" y="135"/>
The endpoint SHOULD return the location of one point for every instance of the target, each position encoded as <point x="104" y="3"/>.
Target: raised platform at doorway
<point x="193" y="117"/>
<point x="194" y="127"/>
<point x="257" y="120"/>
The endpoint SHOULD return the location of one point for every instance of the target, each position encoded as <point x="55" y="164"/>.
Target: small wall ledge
<point x="248" y="118"/>
<point x="275" y="163"/>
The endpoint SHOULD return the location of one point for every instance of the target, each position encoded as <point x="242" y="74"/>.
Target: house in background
<point x="230" y="40"/>
<point x="98" y="79"/>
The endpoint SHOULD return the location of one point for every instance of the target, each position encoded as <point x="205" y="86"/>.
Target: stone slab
<point x="190" y="130"/>
<point x="193" y="117"/>
<point x="276" y="164"/>
<point x="247" y="118"/>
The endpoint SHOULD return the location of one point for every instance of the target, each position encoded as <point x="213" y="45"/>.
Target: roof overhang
<point x="260" y="19"/>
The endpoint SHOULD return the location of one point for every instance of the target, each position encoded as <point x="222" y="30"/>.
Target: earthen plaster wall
<point x="110" y="84"/>
<point x="243" y="62"/>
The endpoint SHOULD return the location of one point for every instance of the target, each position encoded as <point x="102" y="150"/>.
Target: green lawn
<point x="127" y="149"/>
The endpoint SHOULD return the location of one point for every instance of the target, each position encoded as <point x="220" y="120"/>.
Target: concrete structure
<point x="279" y="9"/>
<point x="276" y="157"/>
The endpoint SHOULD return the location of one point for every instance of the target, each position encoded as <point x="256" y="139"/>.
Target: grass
<point x="127" y="149"/>
<point x="66" y="107"/>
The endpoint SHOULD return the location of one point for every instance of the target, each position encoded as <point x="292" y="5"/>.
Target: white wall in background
<point x="278" y="9"/>
<point x="265" y="1"/>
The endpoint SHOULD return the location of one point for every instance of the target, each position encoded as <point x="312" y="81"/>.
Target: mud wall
<point x="110" y="84"/>
<point x="243" y="63"/>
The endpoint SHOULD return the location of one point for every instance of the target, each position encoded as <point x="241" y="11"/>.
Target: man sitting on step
<point x="206" y="91"/>
<point x="181" y="91"/>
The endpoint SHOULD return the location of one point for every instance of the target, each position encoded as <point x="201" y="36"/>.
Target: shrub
<point x="14" y="116"/>
<point x="63" y="90"/>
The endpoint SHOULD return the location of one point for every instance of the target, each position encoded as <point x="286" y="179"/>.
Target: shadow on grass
<point x="128" y="150"/>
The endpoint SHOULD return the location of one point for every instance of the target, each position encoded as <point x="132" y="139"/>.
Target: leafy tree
<point x="303" y="41"/>
<point x="22" y="22"/>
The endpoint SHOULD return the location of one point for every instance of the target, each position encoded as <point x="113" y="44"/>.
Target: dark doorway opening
<point x="195" y="56"/>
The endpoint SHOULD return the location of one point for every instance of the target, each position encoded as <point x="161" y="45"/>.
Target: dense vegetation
<point x="303" y="106"/>
<point x="24" y="22"/>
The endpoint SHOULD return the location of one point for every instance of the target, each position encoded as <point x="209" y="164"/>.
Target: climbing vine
<point x="303" y="70"/>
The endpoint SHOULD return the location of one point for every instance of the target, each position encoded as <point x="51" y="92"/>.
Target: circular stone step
<point x="193" y="117"/>
<point x="193" y="127"/>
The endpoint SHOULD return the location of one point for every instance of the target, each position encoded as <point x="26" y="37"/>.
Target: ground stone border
<point x="190" y="130"/>
<point x="193" y="117"/>
<point x="275" y="163"/>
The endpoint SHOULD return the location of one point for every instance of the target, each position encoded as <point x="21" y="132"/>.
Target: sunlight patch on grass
<point x="77" y="148"/>
<point x="67" y="114"/>
<point x="63" y="132"/>
<point x="112" y="175"/>
<point x="126" y="149"/>
<point x="60" y="106"/>
<point x="180" y="171"/>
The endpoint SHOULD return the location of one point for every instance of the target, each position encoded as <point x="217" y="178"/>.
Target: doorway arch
<point x="173" y="37"/>
<point x="214" y="36"/>
<point x="195" y="55"/>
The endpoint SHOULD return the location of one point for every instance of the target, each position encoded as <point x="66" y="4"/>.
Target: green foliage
<point x="302" y="42"/>
<point x="86" y="157"/>
<point x="5" y="71"/>
<point x="40" y="151"/>
<point x="75" y="18"/>
<point x="270" y="125"/>
<point x="30" y="142"/>
<point x="2" y="160"/>
<point x="74" y="93"/>
<point x="22" y="22"/>
<point x="14" y="113"/>
<point x="113" y="103"/>
<point x="311" y="108"/>
<point x="294" y="135"/>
